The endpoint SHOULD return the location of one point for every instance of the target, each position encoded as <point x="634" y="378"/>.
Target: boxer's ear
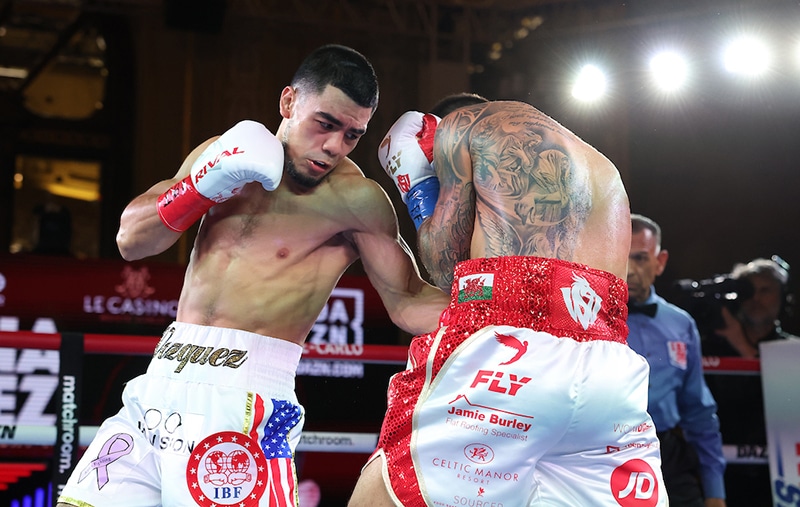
<point x="287" y="101"/>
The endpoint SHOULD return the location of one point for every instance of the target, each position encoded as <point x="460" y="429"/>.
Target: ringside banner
<point x="49" y="294"/>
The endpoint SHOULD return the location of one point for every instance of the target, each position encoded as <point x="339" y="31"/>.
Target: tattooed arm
<point x="445" y="238"/>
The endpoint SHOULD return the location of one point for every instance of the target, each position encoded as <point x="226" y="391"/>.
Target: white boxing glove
<point x="245" y="153"/>
<point x="406" y="154"/>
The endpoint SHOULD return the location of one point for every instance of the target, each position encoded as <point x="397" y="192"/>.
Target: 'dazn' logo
<point x="135" y="283"/>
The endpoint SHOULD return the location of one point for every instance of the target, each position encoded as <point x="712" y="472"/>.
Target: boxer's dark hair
<point x="450" y="103"/>
<point x="341" y="67"/>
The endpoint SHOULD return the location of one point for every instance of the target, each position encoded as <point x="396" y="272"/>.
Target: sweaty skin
<point x="515" y="182"/>
<point x="266" y="262"/>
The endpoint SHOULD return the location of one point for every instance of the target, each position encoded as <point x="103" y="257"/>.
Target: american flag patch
<point x="282" y="488"/>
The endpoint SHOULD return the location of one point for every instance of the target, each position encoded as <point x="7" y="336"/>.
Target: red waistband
<point x="562" y="298"/>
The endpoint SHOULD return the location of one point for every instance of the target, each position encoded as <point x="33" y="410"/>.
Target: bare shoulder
<point x="360" y="200"/>
<point x="347" y="167"/>
<point x="348" y="180"/>
<point x="487" y="127"/>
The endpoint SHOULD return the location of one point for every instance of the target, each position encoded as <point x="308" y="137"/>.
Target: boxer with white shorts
<point x="281" y="218"/>
<point x="527" y="394"/>
<point x="145" y="454"/>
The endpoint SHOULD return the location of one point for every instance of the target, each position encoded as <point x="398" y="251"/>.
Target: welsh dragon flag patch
<point x="476" y="287"/>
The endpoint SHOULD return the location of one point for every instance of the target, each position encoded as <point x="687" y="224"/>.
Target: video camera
<point x="704" y="299"/>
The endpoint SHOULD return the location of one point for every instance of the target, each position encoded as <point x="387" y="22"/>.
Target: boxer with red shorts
<point x="527" y="394"/>
<point x="511" y="397"/>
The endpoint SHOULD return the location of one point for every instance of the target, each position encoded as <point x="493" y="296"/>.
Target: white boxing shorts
<point x="213" y="421"/>
<point x="527" y="395"/>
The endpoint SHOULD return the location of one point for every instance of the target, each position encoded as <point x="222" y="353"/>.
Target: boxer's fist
<point x="406" y="152"/>
<point x="247" y="152"/>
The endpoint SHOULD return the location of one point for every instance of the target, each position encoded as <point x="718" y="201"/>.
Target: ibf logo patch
<point x="475" y="287"/>
<point x="677" y="354"/>
<point x="227" y="468"/>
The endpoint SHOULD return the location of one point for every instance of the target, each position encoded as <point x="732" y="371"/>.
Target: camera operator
<point x="754" y="318"/>
<point x="758" y="317"/>
<point x="681" y="405"/>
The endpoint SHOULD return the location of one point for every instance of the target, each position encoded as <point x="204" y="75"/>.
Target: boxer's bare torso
<point x="266" y="262"/>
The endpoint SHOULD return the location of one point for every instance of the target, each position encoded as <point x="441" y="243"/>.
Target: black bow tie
<point x="649" y="310"/>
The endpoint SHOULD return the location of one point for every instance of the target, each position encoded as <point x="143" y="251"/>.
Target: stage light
<point x="590" y="84"/>
<point x="747" y="56"/>
<point x="797" y="53"/>
<point x="669" y="70"/>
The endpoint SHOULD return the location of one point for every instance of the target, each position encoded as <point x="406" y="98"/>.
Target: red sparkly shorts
<point x="560" y="298"/>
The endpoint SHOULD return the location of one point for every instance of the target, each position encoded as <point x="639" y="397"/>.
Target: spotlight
<point x="590" y="84"/>
<point x="747" y="56"/>
<point x="669" y="70"/>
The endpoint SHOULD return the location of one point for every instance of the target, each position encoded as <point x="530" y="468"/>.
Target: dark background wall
<point x="716" y="166"/>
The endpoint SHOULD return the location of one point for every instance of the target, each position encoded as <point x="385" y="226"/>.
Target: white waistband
<point x="229" y="357"/>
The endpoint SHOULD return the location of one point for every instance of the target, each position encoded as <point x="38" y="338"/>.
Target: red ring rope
<point x="396" y="354"/>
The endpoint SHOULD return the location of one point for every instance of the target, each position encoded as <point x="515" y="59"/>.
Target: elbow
<point x="128" y="256"/>
<point x="124" y="247"/>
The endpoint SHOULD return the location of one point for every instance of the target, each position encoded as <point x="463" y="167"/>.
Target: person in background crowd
<point x="679" y="401"/>
<point x="756" y="320"/>
<point x="282" y="217"/>
<point x="520" y="397"/>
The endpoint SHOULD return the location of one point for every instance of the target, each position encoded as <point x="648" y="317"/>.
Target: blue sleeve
<point x="699" y="421"/>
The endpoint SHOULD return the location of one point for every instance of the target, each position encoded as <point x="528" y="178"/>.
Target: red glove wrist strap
<point x="182" y="205"/>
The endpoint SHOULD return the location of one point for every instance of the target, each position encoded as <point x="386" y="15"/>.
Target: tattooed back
<point x="515" y="182"/>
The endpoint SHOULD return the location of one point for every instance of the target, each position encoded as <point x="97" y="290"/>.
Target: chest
<point x="279" y="224"/>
